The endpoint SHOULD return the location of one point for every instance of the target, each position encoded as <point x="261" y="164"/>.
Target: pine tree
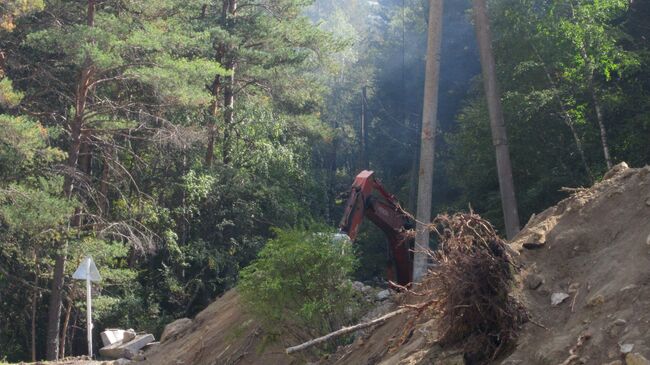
<point x="105" y="64"/>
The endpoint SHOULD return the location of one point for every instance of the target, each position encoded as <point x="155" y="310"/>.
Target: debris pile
<point x="470" y="285"/>
<point x="584" y="280"/>
<point x="221" y="334"/>
<point x="581" y="270"/>
<point x="586" y="275"/>
<point x="125" y="344"/>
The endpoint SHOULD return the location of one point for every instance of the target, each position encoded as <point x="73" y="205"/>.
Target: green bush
<point x="299" y="284"/>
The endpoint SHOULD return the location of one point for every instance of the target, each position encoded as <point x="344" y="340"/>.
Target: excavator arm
<point x="384" y="210"/>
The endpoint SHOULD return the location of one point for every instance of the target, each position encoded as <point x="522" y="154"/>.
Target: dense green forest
<point x="169" y="138"/>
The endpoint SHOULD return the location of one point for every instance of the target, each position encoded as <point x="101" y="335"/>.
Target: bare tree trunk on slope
<point x="499" y="138"/>
<point x="601" y="123"/>
<point x="76" y="124"/>
<point x="428" y="135"/>
<point x="566" y="117"/>
<point x="229" y="88"/>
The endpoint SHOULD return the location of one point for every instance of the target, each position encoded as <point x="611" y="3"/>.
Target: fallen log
<point x="346" y="330"/>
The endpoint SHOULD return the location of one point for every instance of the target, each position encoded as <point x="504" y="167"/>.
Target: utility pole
<point x="497" y="124"/>
<point x="428" y="138"/>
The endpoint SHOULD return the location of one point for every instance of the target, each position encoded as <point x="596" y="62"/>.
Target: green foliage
<point x="300" y="284"/>
<point x="10" y="10"/>
<point x="35" y="210"/>
<point x="9" y="97"/>
<point x="170" y="231"/>
<point x="23" y="147"/>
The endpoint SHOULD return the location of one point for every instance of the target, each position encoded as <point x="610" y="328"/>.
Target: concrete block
<point x="111" y="336"/>
<point x="126" y="349"/>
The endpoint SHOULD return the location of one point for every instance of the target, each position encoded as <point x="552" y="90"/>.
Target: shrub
<point x="299" y="284"/>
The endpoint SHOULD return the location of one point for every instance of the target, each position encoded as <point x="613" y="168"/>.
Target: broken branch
<point x="345" y="330"/>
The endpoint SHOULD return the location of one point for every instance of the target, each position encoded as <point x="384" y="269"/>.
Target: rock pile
<point x="125" y="345"/>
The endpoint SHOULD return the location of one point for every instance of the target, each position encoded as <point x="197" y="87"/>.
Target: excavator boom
<point x="384" y="210"/>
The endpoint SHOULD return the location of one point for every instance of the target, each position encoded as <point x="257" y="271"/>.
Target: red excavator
<point x="383" y="210"/>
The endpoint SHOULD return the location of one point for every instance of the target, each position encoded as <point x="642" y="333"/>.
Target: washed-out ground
<point x="591" y="252"/>
<point x="591" y="249"/>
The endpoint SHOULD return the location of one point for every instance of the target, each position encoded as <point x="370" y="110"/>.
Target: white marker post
<point x="88" y="271"/>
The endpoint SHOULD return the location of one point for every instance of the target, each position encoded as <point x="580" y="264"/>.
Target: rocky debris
<point x="151" y="346"/>
<point x="616" y="327"/>
<point x="608" y="224"/>
<point x="558" y="298"/>
<point x="620" y="322"/>
<point x="114" y="335"/>
<point x="617" y="169"/>
<point x="126" y="349"/>
<point x="628" y="287"/>
<point x="361" y="287"/>
<point x="595" y="301"/>
<point x="626" y="348"/>
<point x="383" y="295"/>
<point x="371" y="293"/>
<point x="129" y="335"/>
<point x="175" y="328"/>
<point x="533" y="281"/>
<point x="636" y="359"/>
<point x="117" y="362"/>
<point x="533" y="245"/>
<point x="452" y="360"/>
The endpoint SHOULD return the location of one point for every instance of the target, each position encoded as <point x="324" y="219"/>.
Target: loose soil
<point x="594" y="246"/>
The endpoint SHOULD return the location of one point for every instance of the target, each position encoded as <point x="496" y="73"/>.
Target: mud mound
<point x="222" y="334"/>
<point x="590" y="254"/>
<point x="593" y="249"/>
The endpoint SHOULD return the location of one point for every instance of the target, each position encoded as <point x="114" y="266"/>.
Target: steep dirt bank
<point x="222" y="334"/>
<point x="593" y="248"/>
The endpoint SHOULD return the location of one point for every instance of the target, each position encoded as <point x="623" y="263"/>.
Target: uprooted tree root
<point x="467" y="290"/>
<point x="471" y="281"/>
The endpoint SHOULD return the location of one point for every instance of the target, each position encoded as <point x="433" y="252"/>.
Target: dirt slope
<point x="222" y="334"/>
<point x="593" y="246"/>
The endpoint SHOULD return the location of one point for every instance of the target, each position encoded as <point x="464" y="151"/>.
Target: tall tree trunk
<point x="34" y="305"/>
<point x="66" y="323"/>
<point x="428" y="138"/>
<point x="76" y="124"/>
<point x="214" y="112"/>
<point x="229" y="89"/>
<point x="54" y="308"/>
<point x="103" y="184"/>
<point x="85" y="152"/>
<point x="499" y="137"/>
<point x="601" y="123"/>
<point x="566" y="117"/>
<point x="413" y="182"/>
<point x="590" y="69"/>
<point x="363" y="158"/>
<point x="331" y="165"/>
<point x="229" y="112"/>
<point x="3" y="60"/>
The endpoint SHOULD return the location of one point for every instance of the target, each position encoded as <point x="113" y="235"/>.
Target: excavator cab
<point x="384" y="210"/>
